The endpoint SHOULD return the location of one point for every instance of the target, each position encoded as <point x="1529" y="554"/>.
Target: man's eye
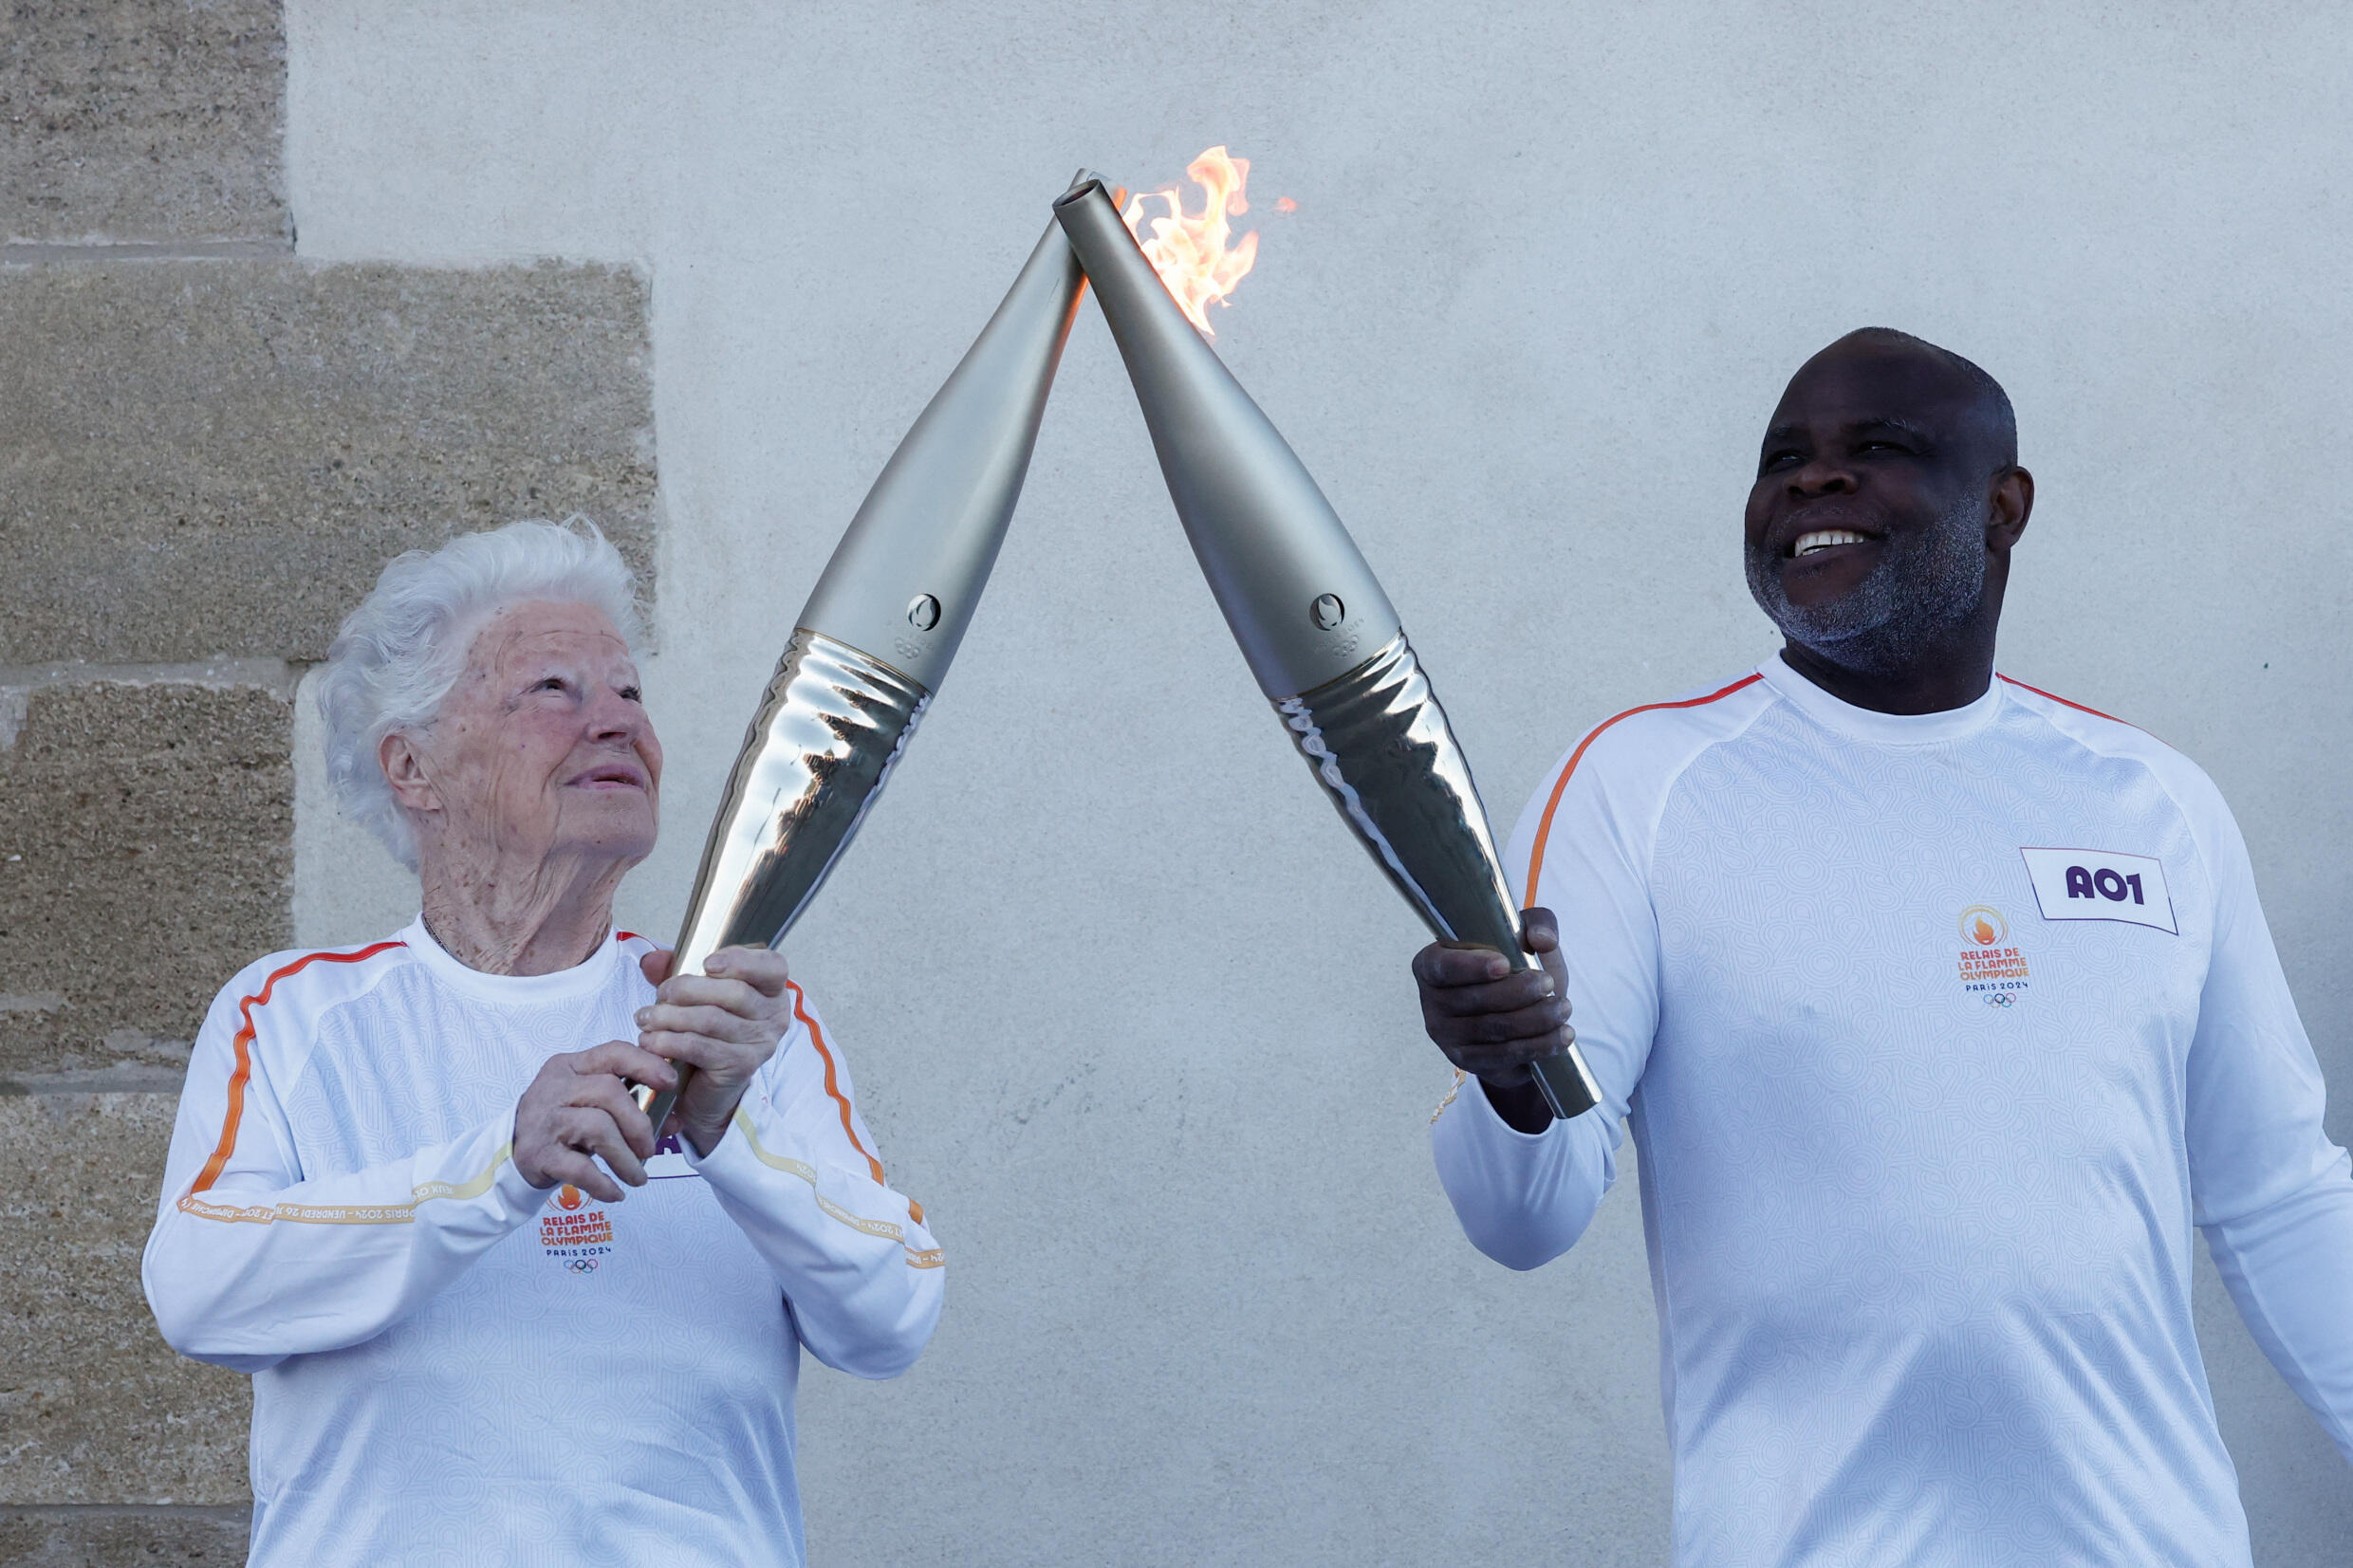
<point x="630" y="693"/>
<point x="1779" y="460"/>
<point x="553" y="683"/>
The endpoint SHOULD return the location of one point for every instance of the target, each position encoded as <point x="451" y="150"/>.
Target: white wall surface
<point x="1128" y="1010"/>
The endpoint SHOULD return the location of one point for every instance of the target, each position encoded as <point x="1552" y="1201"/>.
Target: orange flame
<point x="1197" y="258"/>
<point x="1983" y="932"/>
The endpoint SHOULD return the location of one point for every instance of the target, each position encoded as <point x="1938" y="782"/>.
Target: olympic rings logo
<point x="582" y="1265"/>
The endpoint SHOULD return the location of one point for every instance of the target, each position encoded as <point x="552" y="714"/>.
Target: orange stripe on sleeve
<point x="833" y="1087"/>
<point x="1544" y="824"/>
<point x="244" y="1043"/>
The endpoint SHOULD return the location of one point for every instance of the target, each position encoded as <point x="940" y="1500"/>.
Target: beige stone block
<point x="206" y="459"/>
<point x="120" y="1535"/>
<point x="142" y="120"/>
<point x="94" y="1407"/>
<point x="146" y="843"/>
<point x="93" y="1537"/>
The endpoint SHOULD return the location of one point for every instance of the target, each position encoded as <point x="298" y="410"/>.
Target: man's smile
<point x="1826" y="539"/>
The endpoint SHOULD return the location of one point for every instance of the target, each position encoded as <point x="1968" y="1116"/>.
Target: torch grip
<point x="1566" y="1082"/>
<point x="658" y="1103"/>
<point x="1563" y="1077"/>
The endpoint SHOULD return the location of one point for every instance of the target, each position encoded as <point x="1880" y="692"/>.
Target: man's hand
<point x="579" y="1108"/>
<point x="1492" y="1023"/>
<point x="725" y="1024"/>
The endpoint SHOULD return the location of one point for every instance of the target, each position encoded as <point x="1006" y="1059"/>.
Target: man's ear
<point x="2007" y="508"/>
<point x="404" y="767"/>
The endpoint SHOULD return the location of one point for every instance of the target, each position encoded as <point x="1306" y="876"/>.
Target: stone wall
<point x="1125" y="1008"/>
<point x="209" y="447"/>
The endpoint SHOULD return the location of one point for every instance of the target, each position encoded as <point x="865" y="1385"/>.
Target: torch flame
<point x="1196" y="257"/>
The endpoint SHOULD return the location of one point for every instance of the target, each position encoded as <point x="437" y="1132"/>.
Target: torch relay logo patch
<point x="1991" y="969"/>
<point x="579" y="1234"/>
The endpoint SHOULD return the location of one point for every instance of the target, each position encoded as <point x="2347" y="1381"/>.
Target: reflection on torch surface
<point x="879" y="632"/>
<point x="1312" y="621"/>
<point x="1193" y="255"/>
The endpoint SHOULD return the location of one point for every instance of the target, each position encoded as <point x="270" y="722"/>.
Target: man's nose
<point x="1821" y="476"/>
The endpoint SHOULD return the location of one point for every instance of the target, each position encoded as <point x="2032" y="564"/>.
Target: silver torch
<point x="872" y="643"/>
<point x="1311" y="618"/>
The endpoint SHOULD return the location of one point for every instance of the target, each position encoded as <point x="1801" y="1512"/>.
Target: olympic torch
<point x="1312" y="621"/>
<point x="872" y="643"/>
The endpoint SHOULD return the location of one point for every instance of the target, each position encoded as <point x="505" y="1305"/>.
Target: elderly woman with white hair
<point x="396" y="1192"/>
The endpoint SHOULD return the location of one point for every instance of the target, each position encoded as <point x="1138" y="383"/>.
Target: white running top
<point x="1939" y="1035"/>
<point x="449" y="1366"/>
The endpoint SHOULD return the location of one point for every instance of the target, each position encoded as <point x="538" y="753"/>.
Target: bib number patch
<point x="2098" y="884"/>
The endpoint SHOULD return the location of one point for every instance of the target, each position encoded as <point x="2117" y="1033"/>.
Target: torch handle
<point x="656" y="1103"/>
<point x="1566" y="1082"/>
<point x="1563" y="1077"/>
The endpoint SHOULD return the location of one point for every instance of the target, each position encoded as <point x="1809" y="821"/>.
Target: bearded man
<point x="1943" y="1010"/>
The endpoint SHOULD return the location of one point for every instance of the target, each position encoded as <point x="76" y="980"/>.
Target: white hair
<point x="403" y="650"/>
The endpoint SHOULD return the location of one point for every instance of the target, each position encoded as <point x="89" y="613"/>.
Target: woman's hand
<point x="724" y="1024"/>
<point x="577" y="1108"/>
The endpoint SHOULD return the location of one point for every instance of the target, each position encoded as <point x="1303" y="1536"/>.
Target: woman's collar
<point x="581" y="980"/>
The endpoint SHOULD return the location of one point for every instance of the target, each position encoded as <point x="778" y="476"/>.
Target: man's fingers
<point x="1439" y="965"/>
<point x="1539" y="932"/>
<point x="1504" y="1061"/>
<point x="656" y="965"/>
<point x="1542" y="939"/>
<point x="1510" y="994"/>
<point x="1543" y="1021"/>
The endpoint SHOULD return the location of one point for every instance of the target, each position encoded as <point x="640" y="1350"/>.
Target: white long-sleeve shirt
<point x="449" y="1365"/>
<point x="1940" y="1035"/>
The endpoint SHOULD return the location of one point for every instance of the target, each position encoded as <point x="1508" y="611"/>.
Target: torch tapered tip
<point x="1084" y="181"/>
<point x="1082" y="177"/>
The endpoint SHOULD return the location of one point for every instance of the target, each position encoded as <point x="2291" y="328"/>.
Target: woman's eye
<point x="630" y="693"/>
<point x="553" y="683"/>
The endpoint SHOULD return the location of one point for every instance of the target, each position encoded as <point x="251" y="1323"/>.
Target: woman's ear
<point x="404" y="769"/>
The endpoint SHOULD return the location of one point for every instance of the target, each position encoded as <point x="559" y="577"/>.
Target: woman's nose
<point x="615" y="717"/>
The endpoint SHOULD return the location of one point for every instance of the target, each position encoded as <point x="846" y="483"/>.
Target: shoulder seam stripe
<point x="833" y="1087"/>
<point x="244" y="1043"/>
<point x="1544" y="824"/>
<point x="2065" y="702"/>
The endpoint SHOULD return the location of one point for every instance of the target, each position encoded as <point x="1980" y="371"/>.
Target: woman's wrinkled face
<point x="543" y="747"/>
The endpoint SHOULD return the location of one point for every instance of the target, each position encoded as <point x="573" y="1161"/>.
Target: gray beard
<point x="1918" y="592"/>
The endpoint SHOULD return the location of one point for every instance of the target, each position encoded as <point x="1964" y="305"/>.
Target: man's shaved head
<point x="2001" y="420"/>
<point x="1887" y="496"/>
